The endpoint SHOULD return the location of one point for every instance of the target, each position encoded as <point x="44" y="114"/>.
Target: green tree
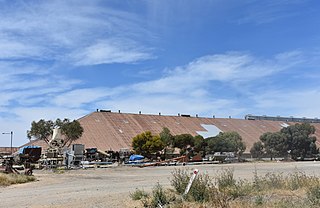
<point x="72" y="130"/>
<point x="274" y="143"/>
<point x="43" y="130"/>
<point x="166" y="136"/>
<point x="257" y="150"/>
<point x="226" y="142"/>
<point x="300" y="140"/>
<point x="200" y="145"/>
<point x="167" y="139"/>
<point x="147" y="144"/>
<point x="183" y="141"/>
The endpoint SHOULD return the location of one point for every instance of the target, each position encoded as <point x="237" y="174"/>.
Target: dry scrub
<point x="223" y="190"/>
<point x="9" y="179"/>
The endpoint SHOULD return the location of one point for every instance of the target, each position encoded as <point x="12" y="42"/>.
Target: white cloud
<point x="54" y="30"/>
<point x="110" y="51"/>
<point x="14" y="49"/>
<point x="300" y="103"/>
<point x="266" y="12"/>
<point x="78" y="97"/>
<point x="234" y="68"/>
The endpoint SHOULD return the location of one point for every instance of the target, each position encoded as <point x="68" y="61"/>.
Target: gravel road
<point x="110" y="187"/>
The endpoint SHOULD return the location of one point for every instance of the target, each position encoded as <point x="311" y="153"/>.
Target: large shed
<point x="107" y="130"/>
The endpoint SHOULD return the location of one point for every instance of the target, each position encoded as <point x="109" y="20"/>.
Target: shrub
<point x="313" y="194"/>
<point x="9" y="179"/>
<point x="199" y="190"/>
<point x="295" y="190"/>
<point x="225" y="179"/>
<point x="138" y="194"/>
<point x="158" y="196"/>
<point x="299" y="179"/>
<point x="180" y="180"/>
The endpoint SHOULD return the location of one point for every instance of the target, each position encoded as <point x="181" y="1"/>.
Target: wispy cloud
<point x="263" y="12"/>
<point x="302" y="103"/>
<point x="234" y="68"/>
<point x="187" y="87"/>
<point x="109" y="52"/>
<point x="54" y="30"/>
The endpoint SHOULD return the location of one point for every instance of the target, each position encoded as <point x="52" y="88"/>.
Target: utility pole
<point x="11" y="135"/>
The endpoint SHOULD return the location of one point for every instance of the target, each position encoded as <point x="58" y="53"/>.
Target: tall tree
<point x="257" y="150"/>
<point x="300" y="140"/>
<point x="147" y="144"/>
<point x="167" y="139"/>
<point x="274" y="143"/>
<point x="183" y="141"/>
<point x="43" y="130"/>
<point x="166" y="136"/>
<point x="72" y="130"/>
<point x="200" y="145"/>
<point x="226" y="142"/>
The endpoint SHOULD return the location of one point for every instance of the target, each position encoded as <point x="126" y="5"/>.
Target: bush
<point x="199" y="190"/>
<point x="295" y="190"/>
<point x="158" y="196"/>
<point x="225" y="179"/>
<point x="313" y="194"/>
<point x="299" y="179"/>
<point x="138" y="194"/>
<point x="9" y="179"/>
<point x="180" y="180"/>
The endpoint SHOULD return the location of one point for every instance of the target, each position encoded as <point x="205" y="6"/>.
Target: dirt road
<point x="110" y="187"/>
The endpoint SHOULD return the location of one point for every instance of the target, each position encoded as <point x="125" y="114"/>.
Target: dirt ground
<point x="110" y="187"/>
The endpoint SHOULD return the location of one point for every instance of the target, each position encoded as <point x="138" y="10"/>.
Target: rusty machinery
<point x="53" y="156"/>
<point x="26" y="157"/>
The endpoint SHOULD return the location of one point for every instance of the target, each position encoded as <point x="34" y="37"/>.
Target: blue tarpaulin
<point x="136" y="157"/>
<point x="21" y="150"/>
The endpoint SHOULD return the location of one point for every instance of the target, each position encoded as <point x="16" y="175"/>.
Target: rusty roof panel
<point x="107" y="130"/>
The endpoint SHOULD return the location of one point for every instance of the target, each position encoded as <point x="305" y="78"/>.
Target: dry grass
<point x="295" y="190"/>
<point x="9" y="179"/>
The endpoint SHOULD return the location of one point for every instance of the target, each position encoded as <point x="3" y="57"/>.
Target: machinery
<point x="24" y="158"/>
<point x="53" y="156"/>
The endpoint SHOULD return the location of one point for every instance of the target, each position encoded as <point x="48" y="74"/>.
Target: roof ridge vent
<point x="105" y="111"/>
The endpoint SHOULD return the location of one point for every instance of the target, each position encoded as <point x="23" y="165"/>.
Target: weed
<point x="313" y="194"/>
<point x="296" y="190"/>
<point x="138" y="194"/>
<point x="225" y="179"/>
<point x="258" y="200"/>
<point x="180" y="180"/>
<point x="158" y="196"/>
<point x="199" y="191"/>
<point x="9" y="179"/>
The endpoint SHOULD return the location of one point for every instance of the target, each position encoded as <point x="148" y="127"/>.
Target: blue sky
<point x="66" y="58"/>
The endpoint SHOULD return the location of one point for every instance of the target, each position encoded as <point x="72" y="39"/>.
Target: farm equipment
<point x="24" y="159"/>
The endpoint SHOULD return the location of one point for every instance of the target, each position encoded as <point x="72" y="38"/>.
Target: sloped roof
<point x="7" y="150"/>
<point x="112" y="131"/>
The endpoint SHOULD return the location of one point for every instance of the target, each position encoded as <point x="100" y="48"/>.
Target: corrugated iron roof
<point x="7" y="150"/>
<point x="112" y="131"/>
